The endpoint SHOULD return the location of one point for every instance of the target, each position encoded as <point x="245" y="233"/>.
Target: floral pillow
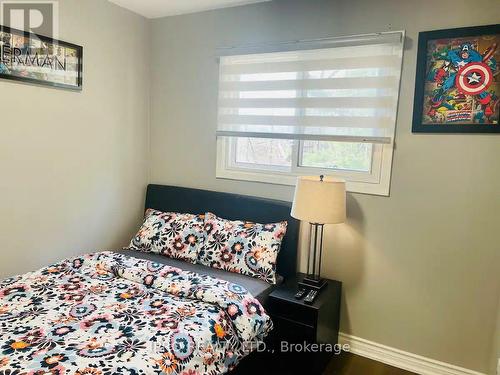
<point x="174" y="235"/>
<point x="242" y="247"/>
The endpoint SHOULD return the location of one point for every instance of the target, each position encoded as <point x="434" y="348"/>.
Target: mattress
<point x="258" y="288"/>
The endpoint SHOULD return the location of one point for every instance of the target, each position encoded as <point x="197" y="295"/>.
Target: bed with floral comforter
<point x="106" y="313"/>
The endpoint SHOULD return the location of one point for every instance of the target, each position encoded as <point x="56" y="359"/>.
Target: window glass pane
<point x="337" y="155"/>
<point x="268" y="76"/>
<point x="348" y="93"/>
<point x="266" y="111"/>
<point x="261" y="151"/>
<point x="350" y="73"/>
<point x="268" y="94"/>
<point x="358" y="112"/>
<point x="316" y="93"/>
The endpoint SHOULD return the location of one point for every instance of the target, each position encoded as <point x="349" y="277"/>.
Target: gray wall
<point x="495" y="354"/>
<point x="420" y="268"/>
<point x="73" y="166"/>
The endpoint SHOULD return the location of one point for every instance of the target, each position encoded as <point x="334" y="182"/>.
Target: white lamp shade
<point x="321" y="202"/>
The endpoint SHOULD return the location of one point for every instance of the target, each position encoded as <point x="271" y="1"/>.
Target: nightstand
<point x="296" y="322"/>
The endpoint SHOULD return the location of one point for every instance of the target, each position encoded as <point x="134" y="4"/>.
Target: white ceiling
<point x="163" y="8"/>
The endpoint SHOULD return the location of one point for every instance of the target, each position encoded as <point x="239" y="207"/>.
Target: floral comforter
<point x="106" y="313"/>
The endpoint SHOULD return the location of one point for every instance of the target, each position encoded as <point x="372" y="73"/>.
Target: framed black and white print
<point x="38" y="59"/>
<point x="457" y="85"/>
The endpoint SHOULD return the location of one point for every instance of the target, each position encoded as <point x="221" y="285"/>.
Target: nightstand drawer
<point x="291" y="331"/>
<point x="292" y="311"/>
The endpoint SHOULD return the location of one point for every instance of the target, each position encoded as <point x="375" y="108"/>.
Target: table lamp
<point x="318" y="200"/>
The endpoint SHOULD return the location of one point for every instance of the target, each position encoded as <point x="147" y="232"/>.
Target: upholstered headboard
<point x="233" y="207"/>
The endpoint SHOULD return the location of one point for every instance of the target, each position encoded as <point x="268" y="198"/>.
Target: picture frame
<point x="41" y="60"/>
<point x="457" y="84"/>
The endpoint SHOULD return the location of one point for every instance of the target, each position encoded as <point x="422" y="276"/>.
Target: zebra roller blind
<point x="345" y="92"/>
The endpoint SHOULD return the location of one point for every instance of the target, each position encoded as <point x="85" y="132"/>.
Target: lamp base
<point x="313" y="282"/>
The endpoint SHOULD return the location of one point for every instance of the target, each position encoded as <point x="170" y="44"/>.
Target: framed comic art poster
<point x="457" y="86"/>
<point x="33" y="58"/>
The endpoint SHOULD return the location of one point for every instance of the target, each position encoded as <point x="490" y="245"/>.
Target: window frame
<point x="377" y="182"/>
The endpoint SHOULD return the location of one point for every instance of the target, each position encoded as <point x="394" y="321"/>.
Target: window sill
<point x="290" y="180"/>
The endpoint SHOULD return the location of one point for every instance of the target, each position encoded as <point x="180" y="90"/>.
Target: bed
<point x="127" y="312"/>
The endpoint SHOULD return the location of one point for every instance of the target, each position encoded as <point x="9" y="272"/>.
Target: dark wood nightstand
<point x="296" y="322"/>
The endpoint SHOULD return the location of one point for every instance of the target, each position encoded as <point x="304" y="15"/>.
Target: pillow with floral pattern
<point x="242" y="247"/>
<point x="174" y="235"/>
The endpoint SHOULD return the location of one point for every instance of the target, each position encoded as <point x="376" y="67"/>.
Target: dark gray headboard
<point x="232" y="207"/>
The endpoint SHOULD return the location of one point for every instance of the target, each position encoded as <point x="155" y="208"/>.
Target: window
<point x="314" y="111"/>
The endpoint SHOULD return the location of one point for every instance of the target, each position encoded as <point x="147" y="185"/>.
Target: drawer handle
<point x="293" y="321"/>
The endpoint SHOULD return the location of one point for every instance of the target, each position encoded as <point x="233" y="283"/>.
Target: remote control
<point x="311" y="296"/>
<point x="300" y="293"/>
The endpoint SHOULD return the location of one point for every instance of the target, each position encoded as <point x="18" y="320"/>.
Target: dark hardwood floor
<point x="297" y="364"/>
<point x="351" y="364"/>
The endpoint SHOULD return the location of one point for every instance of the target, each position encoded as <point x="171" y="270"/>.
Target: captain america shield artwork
<point x="457" y="88"/>
<point x="474" y="78"/>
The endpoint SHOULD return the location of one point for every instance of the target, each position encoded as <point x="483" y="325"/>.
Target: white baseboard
<point x="401" y="359"/>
